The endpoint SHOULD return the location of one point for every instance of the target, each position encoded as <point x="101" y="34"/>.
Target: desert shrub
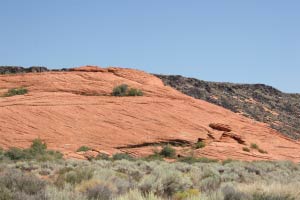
<point x="27" y="166"/>
<point x="37" y="151"/>
<point x="254" y="146"/>
<point x="19" y="185"/>
<point x="1" y="154"/>
<point x="229" y="160"/>
<point x="83" y="148"/>
<point x="206" y="160"/>
<point x="5" y="194"/>
<point x="123" y="90"/>
<point x="134" y="92"/>
<point x="120" y="90"/>
<point x="265" y="196"/>
<point x="15" y="153"/>
<point x="44" y="172"/>
<point x="230" y="193"/>
<point x="78" y="175"/>
<point x="73" y="176"/>
<point x="191" y="160"/>
<point x="50" y="155"/>
<point x="262" y="151"/>
<point x="100" y="192"/>
<point x="168" y="151"/>
<point x="183" y="167"/>
<point x="122" y="156"/>
<point x="200" y="145"/>
<point x="102" y="156"/>
<point x="186" y="194"/>
<point x="211" y="183"/>
<point x="164" y="181"/>
<point x="65" y="193"/>
<point x="154" y="156"/>
<point x="137" y="195"/>
<point x="246" y="149"/>
<point x="16" y="91"/>
<point x="38" y="146"/>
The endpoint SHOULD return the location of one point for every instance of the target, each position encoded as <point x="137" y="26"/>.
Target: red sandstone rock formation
<point x="72" y="109"/>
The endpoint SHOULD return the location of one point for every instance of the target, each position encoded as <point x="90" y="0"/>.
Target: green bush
<point x="38" y="146"/>
<point x="134" y="92"/>
<point x="123" y="90"/>
<point x="16" y="91"/>
<point x="122" y="156"/>
<point x="73" y="176"/>
<point x="50" y="155"/>
<point x="15" y="153"/>
<point x="254" y="146"/>
<point x="200" y="145"/>
<point x="246" y="149"/>
<point x="120" y="90"/>
<point x="83" y="148"/>
<point x="168" y="151"/>
<point x="37" y="151"/>
<point x="102" y="156"/>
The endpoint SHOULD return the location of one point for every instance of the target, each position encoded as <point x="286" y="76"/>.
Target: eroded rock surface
<point x="70" y="109"/>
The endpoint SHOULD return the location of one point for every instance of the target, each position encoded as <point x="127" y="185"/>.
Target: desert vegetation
<point x="124" y="90"/>
<point x="37" y="151"/>
<point x="123" y="177"/>
<point x="83" y="148"/>
<point x="152" y="180"/>
<point x="15" y="91"/>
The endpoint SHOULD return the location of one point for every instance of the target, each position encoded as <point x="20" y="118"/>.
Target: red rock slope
<point x="71" y="109"/>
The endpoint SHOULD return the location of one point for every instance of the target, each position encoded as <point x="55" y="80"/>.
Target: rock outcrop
<point x="17" y="69"/>
<point x="220" y="127"/>
<point x="69" y="109"/>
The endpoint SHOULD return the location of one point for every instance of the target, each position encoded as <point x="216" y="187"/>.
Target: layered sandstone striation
<point x="69" y="109"/>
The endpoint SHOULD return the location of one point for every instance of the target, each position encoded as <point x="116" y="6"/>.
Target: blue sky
<point x="255" y="41"/>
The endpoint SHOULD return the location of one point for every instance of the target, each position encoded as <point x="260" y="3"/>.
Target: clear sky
<point x="246" y="41"/>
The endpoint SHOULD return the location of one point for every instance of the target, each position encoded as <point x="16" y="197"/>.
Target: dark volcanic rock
<point x="260" y="102"/>
<point x="18" y="69"/>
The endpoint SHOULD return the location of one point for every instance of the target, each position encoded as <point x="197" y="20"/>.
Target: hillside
<point x="257" y="101"/>
<point x="69" y="109"/>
